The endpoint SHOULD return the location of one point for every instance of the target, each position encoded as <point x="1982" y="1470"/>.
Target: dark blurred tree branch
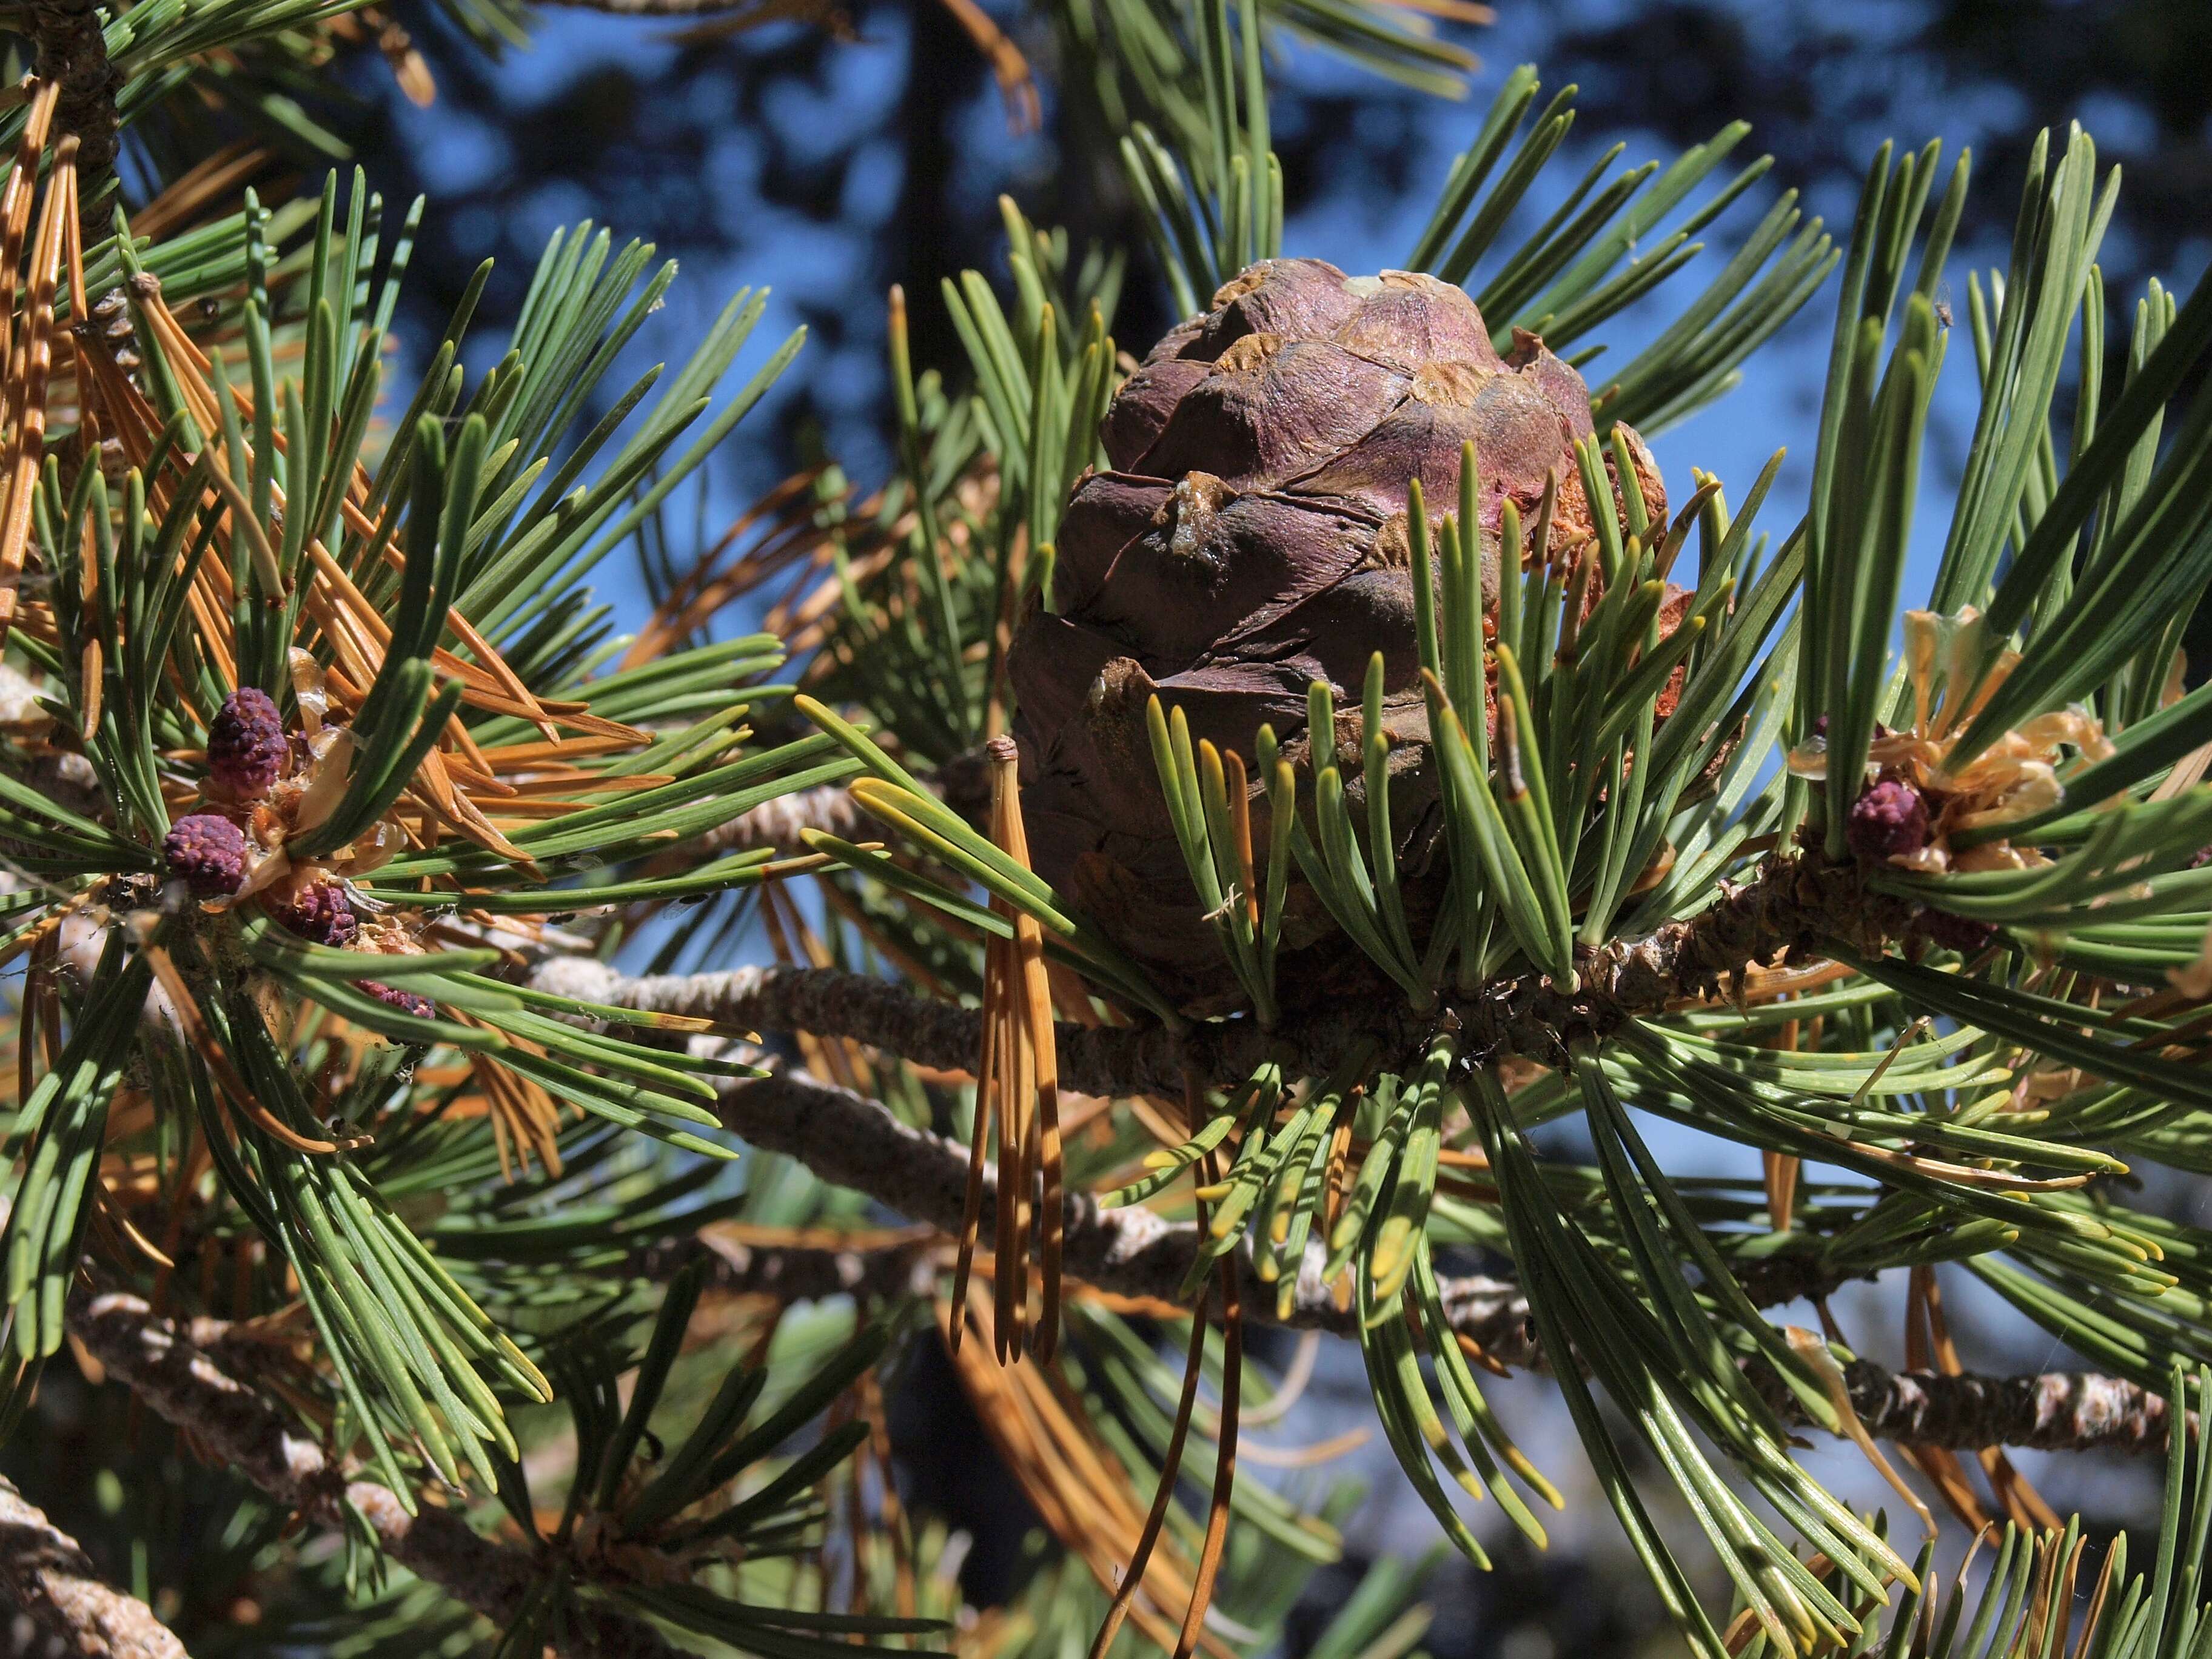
<point x="156" y="1358"/>
<point x="858" y="1143"/>
<point x="51" y="1584"/>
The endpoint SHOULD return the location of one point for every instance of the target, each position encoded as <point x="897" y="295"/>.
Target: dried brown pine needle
<point x="1017" y="1105"/>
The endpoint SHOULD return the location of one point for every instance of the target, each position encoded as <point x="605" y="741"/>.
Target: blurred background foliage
<point x="830" y="162"/>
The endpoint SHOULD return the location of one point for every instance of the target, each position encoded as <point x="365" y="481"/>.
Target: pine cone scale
<point x="1211" y="565"/>
<point x="1272" y="411"/>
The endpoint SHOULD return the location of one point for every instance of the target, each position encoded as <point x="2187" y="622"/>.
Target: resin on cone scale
<point x="1249" y="538"/>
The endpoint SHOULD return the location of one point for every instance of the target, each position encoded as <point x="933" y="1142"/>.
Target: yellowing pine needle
<point x="1929" y="1347"/>
<point x="193" y="192"/>
<point x="1814" y="1351"/>
<point x="1036" y="1015"/>
<point x="972" y="1207"/>
<point x="15" y="203"/>
<point x="1080" y="1488"/>
<point x="1239" y="792"/>
<point x="1011" y="1105"/>
<point x="1780" y="1169"/>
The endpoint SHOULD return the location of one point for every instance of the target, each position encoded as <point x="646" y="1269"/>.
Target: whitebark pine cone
<point x="1249" y="538"/>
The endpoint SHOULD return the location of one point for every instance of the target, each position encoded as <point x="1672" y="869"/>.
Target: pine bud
<point x="206" y="853"/>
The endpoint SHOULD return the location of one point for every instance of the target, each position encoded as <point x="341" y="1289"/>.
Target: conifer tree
<point x="513" y="1092"/>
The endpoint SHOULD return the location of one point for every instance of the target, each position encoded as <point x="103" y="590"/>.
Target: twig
<point x="1795" y="903"/>
<point x="829" y="807"/>
<point x="186" y="1385"/>
<point x="53" y="1586"/>
<point x="827" y="1001"/>
<point x="2056" y="1411"/>
<point x="792" y="1273"/>
<point x="858" y="1143"/>
<point x="73" y="50"/>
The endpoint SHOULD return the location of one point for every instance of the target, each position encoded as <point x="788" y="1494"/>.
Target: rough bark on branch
<point x="798" y="1272"/>
<point x="858" y="1143"/>
<point x="73" y="51"/>
<point x="1792" y="906"/>
<point x="852" y="1141"/>
<point x="184" y="1384"/>
<point x="2056" y="1411"/>
<point x="55" y="1599"/>
<point x="829" y="807"/>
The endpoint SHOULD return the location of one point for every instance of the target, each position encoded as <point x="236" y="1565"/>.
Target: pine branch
<point x="73" y="51"/>
<point x="2056" y="1411"/>
<point x="829" y="807"/>
<point x="858" y="1143"/>
<point x="244" y="1430"/>
<point x="795" y="1272"/>
<point x="49" y="1581"/>
<point x="827" y="1001"/>
<point x="1792" y="905"/>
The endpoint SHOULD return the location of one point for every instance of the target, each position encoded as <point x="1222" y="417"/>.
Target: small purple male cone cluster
<point x="320" y="914"/>
<point x="248" y="749"/>
<point x="407" y="1002"/>
<point x="1887" y="821"/>
<point x="206" y="853"/>
<point x="1891" y="819"/>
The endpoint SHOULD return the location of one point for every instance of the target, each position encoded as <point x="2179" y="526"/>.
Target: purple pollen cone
<point x="1889" y="819"/>
<point x="248" y="749"/>
<point x="407" y="1002"/>
<point x="320" y="914"/>
<point x="1961" y="933"/>
<point x="206" y="853"/>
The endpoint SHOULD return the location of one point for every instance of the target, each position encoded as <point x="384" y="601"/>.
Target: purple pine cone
<point x="1960" y="933"/>
<point x="319" y="913"/>
<point x="1890" y="818"/>
<point x="247" y="750"/>
<point x="407" y="1002"/>
<point x="206" y="853"/>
